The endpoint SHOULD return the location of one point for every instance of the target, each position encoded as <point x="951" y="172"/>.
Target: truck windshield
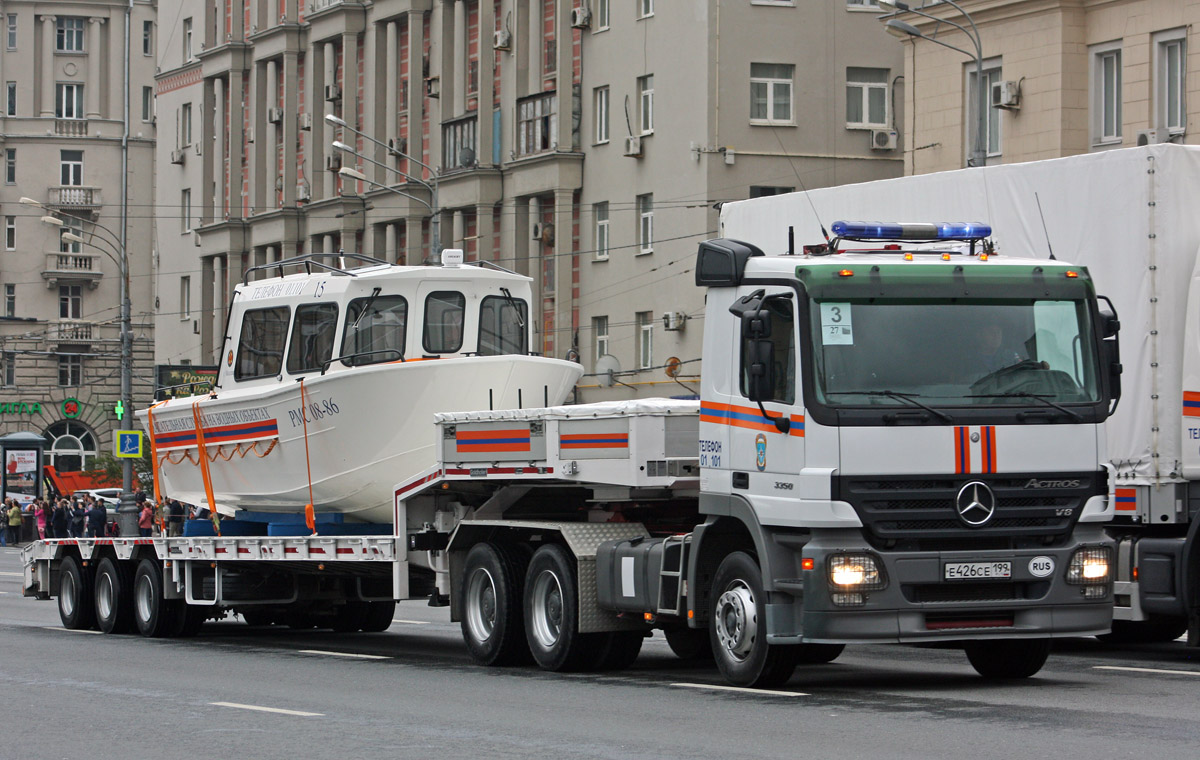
<point x="953" y="352"/>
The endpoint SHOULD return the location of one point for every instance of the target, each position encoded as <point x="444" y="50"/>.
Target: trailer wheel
<point x="818" y="654"/>
<point x="257" y="616"/>
<point x="378" y="616"/>
<point x="76" y="603"/>
<point x="737" y="627"/>
<point x="114" y="596"/>
<point x="689" y="643"/>
<point x="1018" y="658"/>
<point x="552" y="612"/>
<point x="188" y="621"/>
<point x="1153" y="631"/>
<point x="617" y="650"/>
<point x="350" y="617"/>
<point x="492" y="587"/>
<point x="153" y="614"/>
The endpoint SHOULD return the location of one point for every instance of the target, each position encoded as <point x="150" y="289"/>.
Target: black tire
<point x="76" y="600"/>
<point x="152" y="613"/>
<point x="492" y="591"/>
<point x="1008" y="660"/>
<point x="818" y="654"/>
<point x="351" y="617"/>
<point x="690" y="643"/>
<point x="257" y="616"/>
<point x="1153" y="631"/>
<point x="114" y="596"/>
<point x="189" y="620"/>
<point x="552" y="613"/>
<point x="737" y="627"/>
<point x="617" y="650"/>
<point x="378" y="616"/>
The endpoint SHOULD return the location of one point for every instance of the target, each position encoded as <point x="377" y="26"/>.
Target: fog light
<point x="1090" y="566"/>
<point x="1094" y="592"/>
<point x="855" y="572"/>
<point x="848" y="600"/>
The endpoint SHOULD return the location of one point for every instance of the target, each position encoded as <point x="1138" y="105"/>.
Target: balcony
<point x="459" y="144"/>
<point x="71" y="127"/>
<point x="316" y="6"/>
<point x="537" y="124"/>
<point x="73" y="330"/>
<point x="75" y="197"/>
<point x="74" y="267"/>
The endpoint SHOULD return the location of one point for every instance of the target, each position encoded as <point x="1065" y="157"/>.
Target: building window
<point x="10" y="300"/>
<point x="73" y="225"/>
<point x="866" y="98"/>
<point x="536" y="124"/>
<point x="70" y="167"/>
<point x="187" y="40"/>
<point x="1106" y="93"/>
<point x="9" y="369"/>
<point x="991" y="133"/>
<point x="147" y="104"/>
<point x="10" y="234"/>
<point x="70" y="370"/>
<point x="645" y="209"/>
<point x="645" y="8"/>
<point x="72" y="447"/>
<point x="602" y="14"/>
<point x="870" y="5"/>
<point x="645" y="339"/>
<point x="600" y="98"/>
<point x="185" y="125"/>
<point x="771" y="93"/>
<point x="185" y="209"/>
<point x="1170" y="72"/>
<point x="763" y="191"/>
<point x="600" y="328"/>
<point x="600" y="212"/>
<point x="147" y="38"/>
<point x="68" y="100"/>
<point x="10" y="166"/>
<point x="11" y="98"/>
<point x="185" y="297"/>
<point x="70" y="301"/>
<point x="645" y="87"/>
<point x="69" y="34"/>
<point x="12" y="31"/>
<point x="458" y="143"/>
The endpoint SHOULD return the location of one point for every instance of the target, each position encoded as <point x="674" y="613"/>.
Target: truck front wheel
<point x="738" y="627"/>
<point x="1015" y="658"/>
<point x="492" y="627"/>
<point x="76" y="605"/>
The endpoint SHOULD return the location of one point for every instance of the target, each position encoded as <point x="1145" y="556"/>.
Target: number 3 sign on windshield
<point x="836" y="327"/>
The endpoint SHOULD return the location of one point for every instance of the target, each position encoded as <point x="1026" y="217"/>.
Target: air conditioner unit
<point x="195" y="238"/>
<point x="333" y="162"/>
<point x="1153" y="136"/>
<point x="633" y="147"/>
<point x="306" y="122"/>
<point x="674" y="320"/>
<point x="398" y="144"/>
<point x="433" y="87"/>
<point x="332" y="92"/>
<point x="1006" y="94"/>
<point x="884" y="139"/>
<point x="178" y="156"/>
<point x="275" y="115"/>
<point x="302" y="192"/>
<point x="536" y="231"/>
<point x="581" y="18"/>
<point x="502" y="40"/>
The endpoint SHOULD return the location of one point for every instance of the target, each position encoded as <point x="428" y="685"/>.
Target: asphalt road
<point x="412" y="692"/>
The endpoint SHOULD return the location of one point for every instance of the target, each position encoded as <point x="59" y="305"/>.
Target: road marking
<point x="411" y="622"/>
<point x="1148" y="670"/>
<point x="741" y="689"/>
<point x="345" y="654"/>
<point x="15" y="575"/>
<point x="70" y="630"/>
<point x="260" y="708"/>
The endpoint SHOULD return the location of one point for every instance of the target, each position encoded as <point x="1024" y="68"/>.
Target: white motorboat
<point x="330" y="378"/>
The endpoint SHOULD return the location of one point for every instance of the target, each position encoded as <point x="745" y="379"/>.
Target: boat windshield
<point x="952" y="352"/>
<point x="502" y="326"/>
<point x="375" y="328"/>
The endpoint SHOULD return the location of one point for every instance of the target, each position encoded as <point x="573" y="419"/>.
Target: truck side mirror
<point x="756" y="324"/>
<point x="1109" y="324"/>
<point x="1111" y="348"/>
<point x="759" y="363"/>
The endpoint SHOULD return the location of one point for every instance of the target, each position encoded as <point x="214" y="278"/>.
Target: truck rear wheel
<point x="1153" y="631"/>
<point x="153" y="614"/>
<point x="552" y="613"/>
<point x="738" y="627"/>
<point x="114" y="596"/>
<point x="1016" y="658"/>
<point x="617" y="650"/>
<point x="689" y="643"/>
<point x="378" y="616"/>
<point x="76" y="603"/>
<point x="492" y="586"/>
<point x="188" y="621"/>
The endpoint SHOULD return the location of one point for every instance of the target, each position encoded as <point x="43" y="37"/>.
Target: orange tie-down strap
<point x="162" y="523"/>
<point x="204" y="473"/>
<point x="310" y="515"/>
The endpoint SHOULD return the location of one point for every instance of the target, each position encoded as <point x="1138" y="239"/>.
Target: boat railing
<point x="309" y="260"/>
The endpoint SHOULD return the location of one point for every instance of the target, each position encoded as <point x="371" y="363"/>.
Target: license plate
<point x="967" y="571"/>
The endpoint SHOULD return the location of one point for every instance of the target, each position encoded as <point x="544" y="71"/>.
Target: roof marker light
<point x="1071" y="273"/>
<point x="908" y="257"/>
<point x="911" y="230"/>
<point x="945" y="257"/>
<point x="845" y="273"/>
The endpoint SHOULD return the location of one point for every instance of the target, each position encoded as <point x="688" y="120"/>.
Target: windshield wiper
<point x="906" y="397"/>
<point x="1037" y="397"/>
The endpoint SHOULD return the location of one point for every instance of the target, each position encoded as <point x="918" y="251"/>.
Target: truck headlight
<point x="855" y="572"/>
<point x="1091" y="566"/>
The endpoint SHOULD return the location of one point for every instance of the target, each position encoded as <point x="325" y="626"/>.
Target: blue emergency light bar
<point x="911" y="230"/>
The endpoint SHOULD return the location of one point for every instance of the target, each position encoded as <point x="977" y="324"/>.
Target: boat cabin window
<point x="260" y="347"/>
<point x="444" y="311"/>
<point x="502" y="326"/>
<point x="376" y="335"/>
<point x="312" y="337"/>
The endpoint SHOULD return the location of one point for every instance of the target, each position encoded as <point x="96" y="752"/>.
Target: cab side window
<point x="261" y="344"/>
<point x="444" y="313"/>
<point x="375" y="330"/>
<point x="783" y="336"/>
<point x="312" y="337"/>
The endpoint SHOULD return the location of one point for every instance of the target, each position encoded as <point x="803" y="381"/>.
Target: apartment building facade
<point x="1060" y="77"/>
<point x="65" y="149"/>
<point x="581" y="143"/>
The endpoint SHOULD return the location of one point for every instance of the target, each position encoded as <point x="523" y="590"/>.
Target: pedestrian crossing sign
<point x="129" y="444"/>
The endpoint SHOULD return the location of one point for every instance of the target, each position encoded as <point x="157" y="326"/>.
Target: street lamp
<point x="435" y="211"/>
<point x="127" y="514"/>
<point x="901" y="29"/>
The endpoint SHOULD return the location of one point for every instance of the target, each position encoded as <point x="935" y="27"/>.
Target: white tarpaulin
<point x="1131" y="216"/>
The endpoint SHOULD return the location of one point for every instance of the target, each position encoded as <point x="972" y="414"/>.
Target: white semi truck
<point x="897" y="445"/>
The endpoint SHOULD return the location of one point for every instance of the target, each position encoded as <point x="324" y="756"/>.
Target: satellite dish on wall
<point x="466" y="157"/>
<point x="672" y="366"/>
<point x="607" y="367"/>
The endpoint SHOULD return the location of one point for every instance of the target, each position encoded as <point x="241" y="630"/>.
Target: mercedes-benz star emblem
<point x="975" y="504"/>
